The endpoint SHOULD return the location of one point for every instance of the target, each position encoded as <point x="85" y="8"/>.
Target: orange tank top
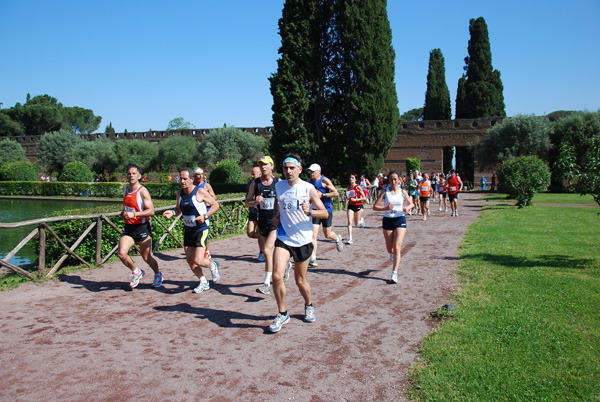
<point x="132" y="202"/>
<point x="425" y="188"/>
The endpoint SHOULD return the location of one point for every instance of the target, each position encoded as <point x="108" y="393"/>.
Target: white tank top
<point x="295" y="227"/>
<point x="397" y="200"/>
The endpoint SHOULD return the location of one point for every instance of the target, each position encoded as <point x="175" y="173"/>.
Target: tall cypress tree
<point x="334" y="94"/>
<point x="437" y="97"/>
<point x="483" y="89"/>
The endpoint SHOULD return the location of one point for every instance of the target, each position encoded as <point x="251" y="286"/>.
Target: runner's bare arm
<point x="333" y="192"/>
<point x="315" y="199"/>
<point x="378" y="204"/>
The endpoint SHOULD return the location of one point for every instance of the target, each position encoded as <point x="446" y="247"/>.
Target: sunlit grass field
<point x="527" y="320"/>
<point x="546" y="198"/>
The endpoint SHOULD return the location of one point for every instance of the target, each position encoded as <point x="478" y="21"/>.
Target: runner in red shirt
<point x="355" y="196"/>
<point x="454" y="185"/>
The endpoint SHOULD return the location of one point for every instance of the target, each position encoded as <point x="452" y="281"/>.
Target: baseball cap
<point x="314" y="167"/>
<point x="266" y="159"/>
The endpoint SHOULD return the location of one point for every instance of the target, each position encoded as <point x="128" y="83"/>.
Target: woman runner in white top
<point x="391" y="202"/>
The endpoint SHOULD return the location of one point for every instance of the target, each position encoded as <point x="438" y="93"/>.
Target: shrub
<point x="413" y="164"/>
<point x="524" y="176"/>
<point x="11" y="151"/>
<point x="19" y="171"/>
<point x="76" y="172"/>
<point x="227" y="171"/>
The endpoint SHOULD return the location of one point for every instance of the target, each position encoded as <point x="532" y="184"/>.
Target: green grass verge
<point x="526" y="326"/>
<point x="545" y="198"/>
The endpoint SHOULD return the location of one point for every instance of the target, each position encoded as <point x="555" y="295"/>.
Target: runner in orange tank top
<point x="137" y="210"/>
<point x="424" y="195"/>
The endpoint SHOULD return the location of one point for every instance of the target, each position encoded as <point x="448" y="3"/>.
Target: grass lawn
<point x="527" y="322"/>
<point x="545" y="198"/>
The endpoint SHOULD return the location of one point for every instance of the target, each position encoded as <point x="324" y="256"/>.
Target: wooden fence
<point x="230" y="219"/>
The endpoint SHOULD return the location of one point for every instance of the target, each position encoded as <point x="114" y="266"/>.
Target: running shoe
<point x="286" y="273"/>
<point x="424" y="217"/>
<point x="261" y="257"/>
<point x="440" y="209"/>
<point x="278" y="322"/>
<point x="309" y="313"/>
<point x="362" y="223"/>
<point x="445" y="209"/>
<point x="207" y="255"/>
<point x="135" y="279"/>
<point x="339" y="244"/>
<point x="394" y="279"/>
<point x="265" y="289"/>
<point x="428" y="212"/>
<point x="214" y="270"/>
<point x="349" y="241"/>
<point x="203" y="286"/>
<point x="312" y="261"/>
<point x="455" y="213"/>
<point x="158" y="280"/>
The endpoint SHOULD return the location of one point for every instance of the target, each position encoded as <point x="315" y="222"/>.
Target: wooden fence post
<point x="98" y="241"/>
<point x="42" y="256"/>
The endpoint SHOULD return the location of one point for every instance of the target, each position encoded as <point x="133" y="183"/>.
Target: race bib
<point x="189" y="220"/>
<point x="351" y="194"/>
<point x="267" y="203"/>
<point x="453" y="188"/>
<point x="129" y="209"/>
<point x="424" y="188"/>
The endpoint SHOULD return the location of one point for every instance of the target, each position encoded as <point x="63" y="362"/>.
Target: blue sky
<point x="139" y="64"/>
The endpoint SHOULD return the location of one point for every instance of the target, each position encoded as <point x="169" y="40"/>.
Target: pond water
<point x="22" y="210"/>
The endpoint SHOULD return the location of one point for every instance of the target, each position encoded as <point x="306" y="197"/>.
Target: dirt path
<point x="88" y="338"/>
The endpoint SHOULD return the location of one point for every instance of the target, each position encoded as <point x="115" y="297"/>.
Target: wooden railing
<point x="231" y="219"/>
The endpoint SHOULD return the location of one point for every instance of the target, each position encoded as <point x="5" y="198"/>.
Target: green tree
<point x="227" y="171"/>
<point x="54" y="149"/>
<point x="80" y="120"/>
<point x="483" y="89"/>
<point x="178" y="123"/>
<point x="515" y="136"/>
<point x="135" y="152"/>
<point x="437" y="97"/>
<point x="99" y="155"/>
<point x="177" y="152"/>
<point x="40" y="114"/>
<point x="8" y="126"/>
<point x="231" y="143"/>
<point x="413" y="164"/>
<point x="584" y="178"/>
<point x="19" y="171"/>
<point x="11" y="151"/>
<point x="523" y="177"/>
<point x="297" y="87"/>
<point x="77" y="172"/>
<point x="109" y="129"/>
<point x="334" y="97"/>
<point x="412" y="115"/>
<point x="579" y="129"/>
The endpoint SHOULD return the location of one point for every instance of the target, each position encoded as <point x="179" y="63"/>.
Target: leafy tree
<point x="11" y="151"/>
<point x="19" y="171"/>
<point x="77" y="172"/>
<point x="584" y="178"/>
<point x="137" y="152"/>
<point x="437" y="97"/>
<point x="334" y="97"/>
<point x="178" y="123"/>
<point x="99" y="155"/>
<point x="8" y="126"/>
<point x="109" y="129"/>
<point x="413" y="164"/>
<point x="227" y="171"/>
<point x="522" y="177"/>
<point x="412" y="115"/>
<point x="559" y="114"/>
<point x="516" y="136"/>
<point x="483" y="89"/>
<point x="461" y="97"/>
<point x="80" y="120"/>
<point x="231" y="143"/>
<point x="177" y="152"/>
<point x="54" y="149"/>
<point x="40" y="114"/>
<point x="579" y="129"/>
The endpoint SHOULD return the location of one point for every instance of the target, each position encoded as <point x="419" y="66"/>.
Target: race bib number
<point x="351" y="194"/>
<point x="267" y="203"/>
<point x="129" y="209"/>
<point x="189" y="220"/>
<point x="453" y="188"/>
<point x="424" y="188"/>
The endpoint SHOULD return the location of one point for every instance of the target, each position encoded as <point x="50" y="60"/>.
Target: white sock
<point x="136" y="271"/>
<point x="268" y="276"/>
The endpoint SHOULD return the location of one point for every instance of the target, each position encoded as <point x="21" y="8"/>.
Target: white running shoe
<point x="394" y="279"/>
<point x="278" y="322"/>
<point x="440" y="209"/>
<point x="361" y="223"/>
<point x="202" y="287"/>
<point x="455" y="213"/>
<point x="445" y="209"/>
<point x="135" y="279"/>
<point x="309" y="313"/>
<point x="265" y="289"/>
<point x="312" y="261"/>
<point x="349" y="241"/>
<point x="214" y="270"/>
<point x="286" y="273"/>
<point x="339" y="243"/>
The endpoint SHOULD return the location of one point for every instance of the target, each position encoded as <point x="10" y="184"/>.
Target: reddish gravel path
<point x="87" y="338"/>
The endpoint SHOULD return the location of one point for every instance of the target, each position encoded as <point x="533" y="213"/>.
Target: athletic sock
<point x="136" y="271"/>
<point x="268" y="276"/>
